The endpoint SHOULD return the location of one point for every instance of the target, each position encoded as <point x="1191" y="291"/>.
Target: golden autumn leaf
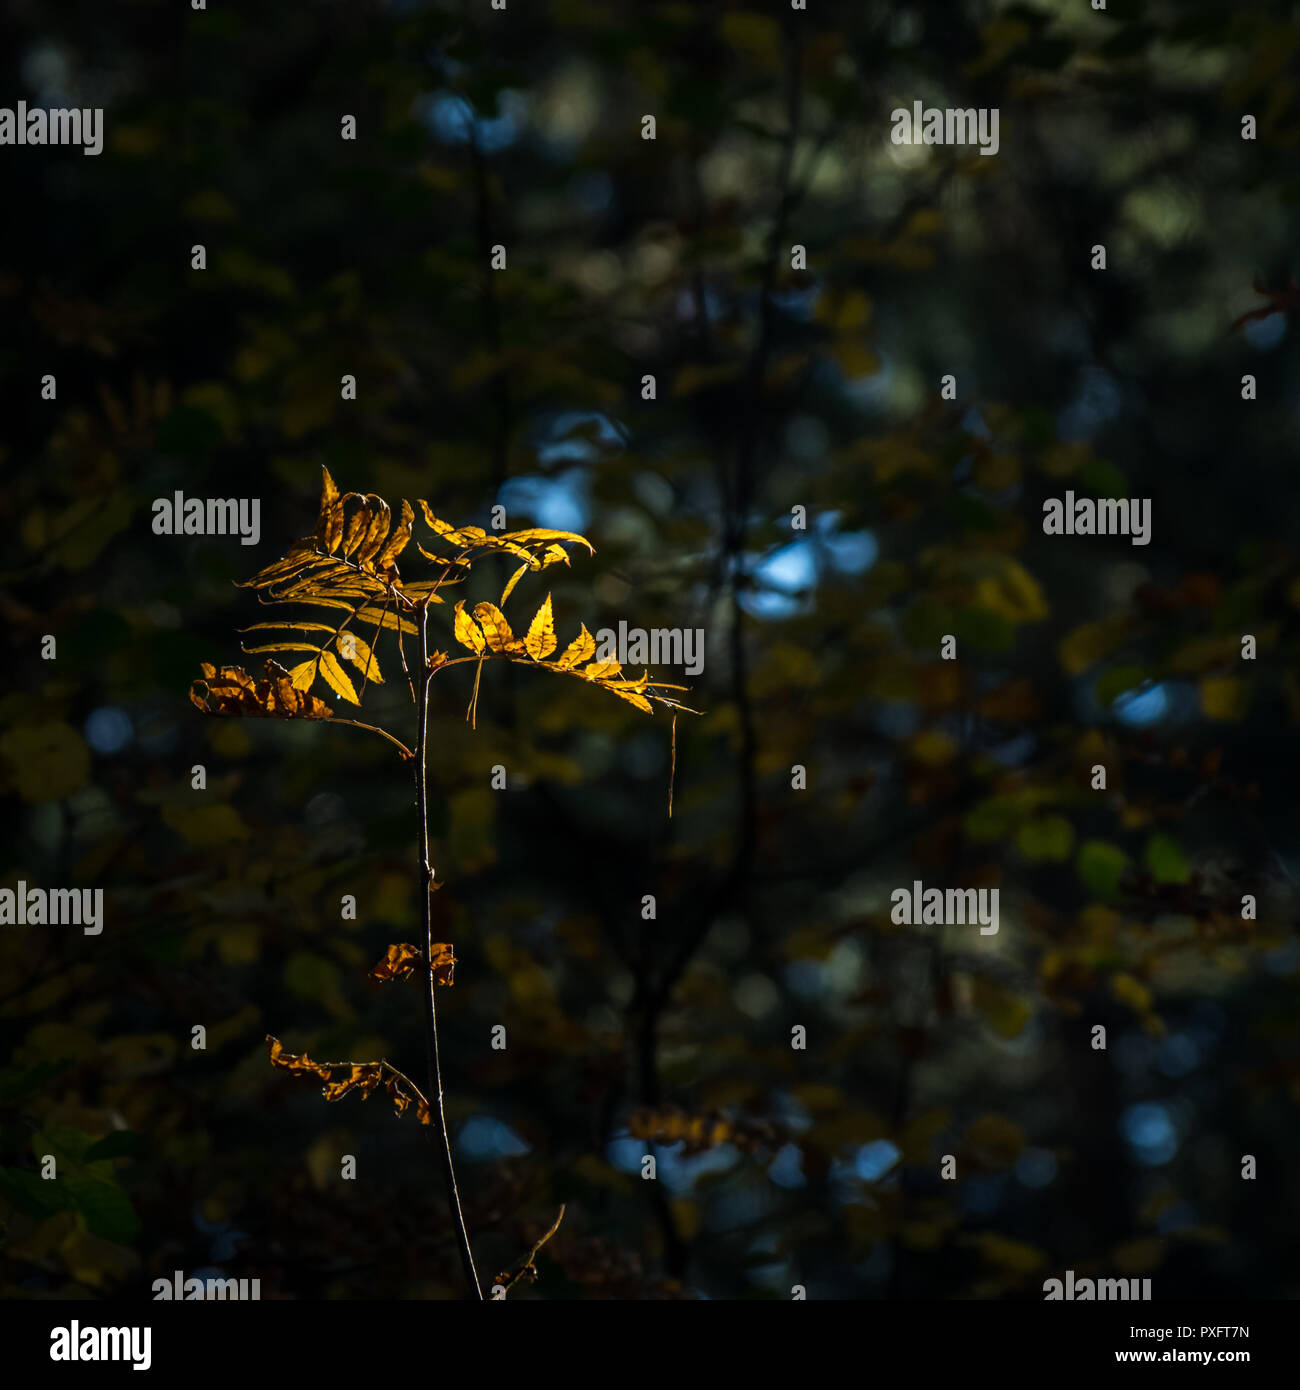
<point x="601" y="670"/>
<point x="329" y="529"/>
<point x="632" y="698"/>
<point x="356" y="528"/>
<point x="467" y="631"/>
<point x="496" y="630"/>
<point x="357" y="650"/>
<point x="380" y="517"/>
<point x="582" y="648"/>
<point x="337" y="678"/>
<point x="396" y="543"/>
<point x="541" y="533"/>
<point x="540" y="641"/>
<point x="512" y="581"/>
<point x="302" y="675"/>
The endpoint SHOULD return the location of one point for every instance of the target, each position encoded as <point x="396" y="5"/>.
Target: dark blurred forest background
<point x="776" y="389"/>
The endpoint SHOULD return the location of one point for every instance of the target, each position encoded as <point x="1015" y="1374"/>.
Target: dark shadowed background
<point x="775" y="389"/>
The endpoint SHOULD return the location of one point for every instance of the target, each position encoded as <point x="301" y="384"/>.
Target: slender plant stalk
<point x="438" y="1114"/>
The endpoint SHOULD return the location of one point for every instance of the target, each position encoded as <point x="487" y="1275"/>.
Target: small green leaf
<point x="107" y="1210"/>
<point x="1101" y="865"/>
<point x="1166" y="860"/>
<point x="32" y="1195"/>
<point x="1049" y="838"/>
<point x="122" y="1143"/>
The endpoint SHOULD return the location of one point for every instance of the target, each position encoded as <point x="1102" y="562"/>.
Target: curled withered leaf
<point x="297" y="1063"/>
<point x="365" y="1077"/>
<point x="230" y="690"/>
<point x="362" y="1076"/>
<point x="401" y="960"/>
<point x="404" y="1096"/>
<point x="444" y="963"/>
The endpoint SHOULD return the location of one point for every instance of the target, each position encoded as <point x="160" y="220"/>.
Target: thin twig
<point x="430" y="1002"/>
<point x="528" y="1270"/>
<point x="375" y="729"/>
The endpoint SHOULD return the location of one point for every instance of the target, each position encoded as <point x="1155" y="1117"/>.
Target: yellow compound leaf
<point x="357" y="650"/>
<point x="467" y="630"/>
<point x="540" y="642"/>
<point x="380" y="516"/>
<point x="465" y="537"/>
<point x="355" y="529"/>
<point x="303" y="674"/>
<point x="385" y="617"/>
<point x="397" y="541"/>
<point x="337" y="678"/>
<point x="496" y="630"/>
<point x="512" y="581"/>
<point x="632" y="698"/>
<point x="542" y="534"/>
<point x="601" y="670"/>
<point x="582" y="648"/>
<point x="329" y="528"/>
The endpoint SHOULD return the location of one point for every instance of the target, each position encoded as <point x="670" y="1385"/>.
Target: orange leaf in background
<point x="699" y="1132"/>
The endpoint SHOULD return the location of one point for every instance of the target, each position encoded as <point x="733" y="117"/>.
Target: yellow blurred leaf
<point x="1222" y="697"/>
<point x="47" y="761"/>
